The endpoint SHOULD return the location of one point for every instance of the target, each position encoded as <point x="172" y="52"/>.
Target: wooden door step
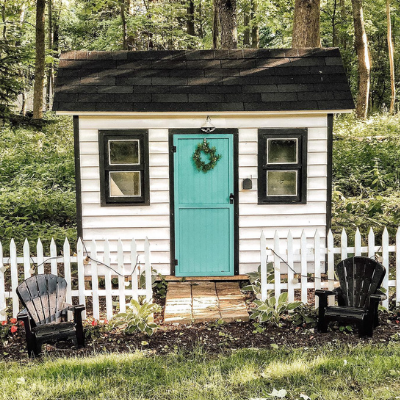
<point x="204" y="301"/>
<point x="172" y="278"/>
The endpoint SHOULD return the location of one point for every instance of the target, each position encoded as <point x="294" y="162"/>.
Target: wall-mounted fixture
<point x="247" y="184"/>
<point x="208" y="127"/>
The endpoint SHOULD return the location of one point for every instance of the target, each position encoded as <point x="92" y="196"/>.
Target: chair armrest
<point x="324" y="293"/>
<point x="378" y="297"/>
<point x="78" y="308"/>
<point x="22" y="315"/>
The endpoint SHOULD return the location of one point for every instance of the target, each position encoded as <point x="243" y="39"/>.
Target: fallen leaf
<point x="278" y="393"/>
<point x="305" y="397"/>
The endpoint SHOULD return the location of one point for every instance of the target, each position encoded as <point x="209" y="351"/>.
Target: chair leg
<point x="322" y="325"/>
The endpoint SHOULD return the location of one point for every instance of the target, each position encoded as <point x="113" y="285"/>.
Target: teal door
<point x="204" y="212"/>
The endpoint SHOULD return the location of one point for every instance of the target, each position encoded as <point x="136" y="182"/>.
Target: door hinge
<point x="176" y="261"/>
<point x="174" y="149"/>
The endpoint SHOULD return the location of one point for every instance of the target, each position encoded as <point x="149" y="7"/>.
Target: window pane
<point x="281" y="183"/>
<point x="125" y="184"/>
<point x="281" y="151"/>
<point x="124" y="152"/>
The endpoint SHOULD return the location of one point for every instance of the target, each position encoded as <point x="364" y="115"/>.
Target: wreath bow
<point x="212" y="157"/>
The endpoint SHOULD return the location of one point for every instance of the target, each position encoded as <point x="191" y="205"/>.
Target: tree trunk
<point x="39" y="60"/>
<point x="333" y="21"/>
<point x="254" y="25"/>
<point x="391" y="57"/>
<point x="227" y="22"/>
<point x="306" y="24"/>
<point x="50" y="46"/>
<point x="190" y="18"/>
<point x="364" y="65"/>
<point x="123" y="20"/>
<point x="215" y="24"/>
<point x="246" y="30"/>
<point x="343" y="18"/>
<point x="3" y="17"/>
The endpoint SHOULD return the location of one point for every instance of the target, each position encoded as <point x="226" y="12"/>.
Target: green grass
<point x="362" y="372"/>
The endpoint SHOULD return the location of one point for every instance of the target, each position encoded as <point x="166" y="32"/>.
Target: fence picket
<point x="95" y="280"/>
<point x="81" y="275"/>
<point x="371" y="243"/>
<point x="3" y="315"/>
<point x="357" y="243"/>
<point x="397" y="266"/>
<point x="331" y="263"/>
<point x="27" y="261"/>
<point x="317" y="264"/>
<point x="290" y="268"/>
<point x="39" y="259"/>
<point x="343" y="245"/>
<point x="277" y="268"/>
<point x="108" y="277"/>
<point x="14" y="278"/>
<point x="385" y="263"/>
<point x="263" y="255"/>
<point x="121" y="279"/>
<point x="149" y="289"/>
<point x="53" y="255"/>
<point x="303" y="280"/>
<point x="67" y="270"/>
<point x="134" y="271"/>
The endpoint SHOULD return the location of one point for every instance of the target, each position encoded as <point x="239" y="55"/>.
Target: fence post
<point x="343" y="245"/>
<point x="134" y="276"/>
<point x="39" y="259"/>
<point x="317" y="264"/>
<point x="14" y="278"/>
<point x="3" y="315"/>
<point x="385" y="262"/>
<point x="331" y="265"/>
<point x="371" y="243"/>
<point x="107" y="277"/>
<point x="303" y="261"/>
<point x="147" y="266"/>
<point x="27" y="261"/>
<point x="121" y="277"/>
<point x="53" y="255"/>
<point x="81" y="275"/>
<point x="95" y="281"/>
<point x="397" y="266"/>
<point x="67" y="270"/>
<point x="290" y="270"/>
<point x="277" y="268"/>
<point x="357" y="243"/>
<point x="263" y="253"/>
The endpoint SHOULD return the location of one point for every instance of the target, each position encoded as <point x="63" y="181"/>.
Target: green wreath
<point x="212" y="157"/>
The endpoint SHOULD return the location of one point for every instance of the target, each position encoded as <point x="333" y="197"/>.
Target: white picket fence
<point x="94" y="260"/>
<point x="313" y="257"/>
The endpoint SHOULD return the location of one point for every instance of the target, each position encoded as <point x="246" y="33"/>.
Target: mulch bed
<point x="212" y="338"/>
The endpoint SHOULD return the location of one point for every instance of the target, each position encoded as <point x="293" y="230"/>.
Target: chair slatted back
<point x="359" y="278"/>
<point x="43" y="296"/>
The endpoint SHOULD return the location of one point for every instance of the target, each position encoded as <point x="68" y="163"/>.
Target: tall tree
<point x="123" y="21"/>
<point x="254" y="25"/>
<point x="391" y="57"/>
<point x="364" y="64"/>
<point x="306" y="24"/>
<point x="226" y="12"/>
<point x="190" y="18"/>
<point x="39" y="60"/>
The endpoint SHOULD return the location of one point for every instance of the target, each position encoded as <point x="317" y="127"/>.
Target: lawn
<point x="329" y="372"/>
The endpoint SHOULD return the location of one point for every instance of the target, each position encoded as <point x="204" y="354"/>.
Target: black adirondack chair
<point x="45" y="313"/>
<point x="358" y="296"/>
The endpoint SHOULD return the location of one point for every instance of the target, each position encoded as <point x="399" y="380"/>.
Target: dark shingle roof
<point x="202" y="80"/>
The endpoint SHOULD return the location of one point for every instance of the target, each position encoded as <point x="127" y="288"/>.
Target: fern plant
<point x="138" y="317"/>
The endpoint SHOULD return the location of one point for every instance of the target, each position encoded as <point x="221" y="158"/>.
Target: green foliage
<point x="304" y="315"/>
<point x="272" y="310"/>
<point x="366" y="174"/>
<point x="158" y="282"/>
<point x="37" y="184"/>
<point x="138" y="317"/>
<point x="255" y="279"/>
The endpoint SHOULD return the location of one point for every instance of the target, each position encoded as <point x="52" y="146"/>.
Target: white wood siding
<point x="127" y="222"/>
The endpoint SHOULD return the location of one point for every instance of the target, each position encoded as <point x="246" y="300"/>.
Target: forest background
<point x="37" y="187"/>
